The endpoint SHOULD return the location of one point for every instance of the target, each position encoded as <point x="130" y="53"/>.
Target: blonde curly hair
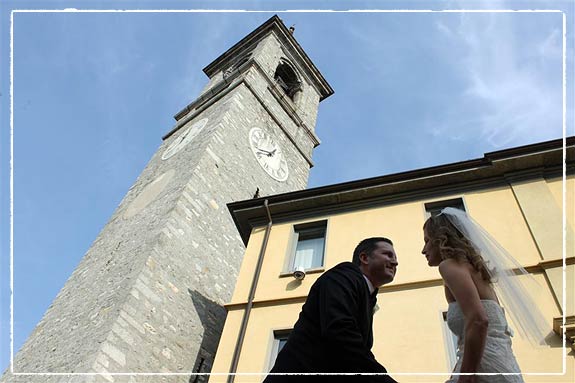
<point x="453" y="244"/>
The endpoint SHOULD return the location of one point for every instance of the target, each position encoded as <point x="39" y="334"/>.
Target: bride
<point x="473" y="265"/>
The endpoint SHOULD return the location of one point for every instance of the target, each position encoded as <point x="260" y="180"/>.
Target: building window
<point x="309" y="245"/>
<point x="280" y="339"/>
<point x="450" y="340"/>
<point x="287" y="79"/>
<point x="433" y="208"/>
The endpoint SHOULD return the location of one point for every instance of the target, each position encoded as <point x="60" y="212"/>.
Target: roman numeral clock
<point x="148" y="295"/>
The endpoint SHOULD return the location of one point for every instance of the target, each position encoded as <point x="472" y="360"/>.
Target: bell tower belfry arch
<point x="147" y="296"/>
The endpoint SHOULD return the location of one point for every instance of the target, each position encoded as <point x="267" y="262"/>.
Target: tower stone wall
<point x="147" y="297"/>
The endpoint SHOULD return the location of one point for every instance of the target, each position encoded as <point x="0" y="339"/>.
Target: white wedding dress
<point x="497" y="357"/>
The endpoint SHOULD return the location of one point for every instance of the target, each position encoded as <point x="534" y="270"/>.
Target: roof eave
<point x="493" y="169"/>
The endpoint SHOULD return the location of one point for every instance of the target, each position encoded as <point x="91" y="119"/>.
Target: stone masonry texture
<point x="147" y="296"/>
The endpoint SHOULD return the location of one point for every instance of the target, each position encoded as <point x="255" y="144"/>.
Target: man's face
<point x="379" y="266"/>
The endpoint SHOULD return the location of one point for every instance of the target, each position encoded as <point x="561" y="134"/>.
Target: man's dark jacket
<point x="334" y="331"/>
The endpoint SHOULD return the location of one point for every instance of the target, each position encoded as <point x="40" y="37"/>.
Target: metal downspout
<point x="243" y="327"/>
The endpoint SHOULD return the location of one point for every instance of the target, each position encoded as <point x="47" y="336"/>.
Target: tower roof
<point x="276" y="25"/>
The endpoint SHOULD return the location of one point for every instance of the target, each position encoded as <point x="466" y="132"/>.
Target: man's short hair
<point x="367" y="246"/>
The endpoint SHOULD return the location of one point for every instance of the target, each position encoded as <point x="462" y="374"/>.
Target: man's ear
<point x="363" y="258"/>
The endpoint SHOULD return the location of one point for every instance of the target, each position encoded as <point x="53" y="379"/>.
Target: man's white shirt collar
<point x="369" y="285"/>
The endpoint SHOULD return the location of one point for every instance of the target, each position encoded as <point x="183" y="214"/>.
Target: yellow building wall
<point x="496" y="210"/>
<point x="255" y="356"/>
<point x="408" y="332"/>
<point x="408" y="338"/>
<point x="556" y="189"/>
<point x="555" y="275"/>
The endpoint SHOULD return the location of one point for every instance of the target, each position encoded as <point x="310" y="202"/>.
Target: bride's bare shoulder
<point x="452" y="264"/>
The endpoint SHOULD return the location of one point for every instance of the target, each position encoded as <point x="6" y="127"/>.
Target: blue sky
<point x="95" y="92"/>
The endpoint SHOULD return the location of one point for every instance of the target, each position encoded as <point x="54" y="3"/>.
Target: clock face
<point x="269" y="154"/>
<point x="184" y="138"/>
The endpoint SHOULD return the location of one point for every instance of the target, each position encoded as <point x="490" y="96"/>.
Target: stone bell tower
<point x="146" y="298"/>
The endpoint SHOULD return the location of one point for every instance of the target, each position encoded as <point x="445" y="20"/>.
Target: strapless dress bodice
<point x="497" y="356"/>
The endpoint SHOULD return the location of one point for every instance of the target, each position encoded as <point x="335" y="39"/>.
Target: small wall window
<point x="433" y="208"/>
<point x="309" y="245"/>
<point x="280" y="339"/>
<point x="287" y="79"/>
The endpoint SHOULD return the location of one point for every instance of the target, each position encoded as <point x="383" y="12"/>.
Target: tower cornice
<point x="225" y="86"/>
<point x="275" y="25"/>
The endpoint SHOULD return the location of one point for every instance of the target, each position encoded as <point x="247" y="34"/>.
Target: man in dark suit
<point x="334" y="331"/>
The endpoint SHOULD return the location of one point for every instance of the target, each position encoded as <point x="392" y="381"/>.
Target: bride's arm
<point x="458" y="279"/>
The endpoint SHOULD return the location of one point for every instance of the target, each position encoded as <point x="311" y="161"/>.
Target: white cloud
<point x="513" y="91"/>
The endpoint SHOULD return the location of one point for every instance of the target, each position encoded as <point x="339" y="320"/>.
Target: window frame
<point x="321" y="226"/>
<point x="431" y="207"/>
<point x="277" y="336"/>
